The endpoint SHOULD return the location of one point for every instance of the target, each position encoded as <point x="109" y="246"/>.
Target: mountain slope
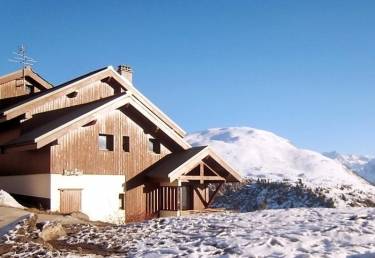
<point x="362" y="165"/>
<point x="261" y="154"/>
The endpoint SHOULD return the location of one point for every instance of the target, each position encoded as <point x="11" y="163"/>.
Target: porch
<point x="165" y="201"/>
<point x="186" y="184"/>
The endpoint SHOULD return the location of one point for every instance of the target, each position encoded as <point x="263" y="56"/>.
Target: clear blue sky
<point x="302" y="69"/>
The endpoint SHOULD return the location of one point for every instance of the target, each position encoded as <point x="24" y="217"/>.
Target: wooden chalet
<point x="95" y="144"/>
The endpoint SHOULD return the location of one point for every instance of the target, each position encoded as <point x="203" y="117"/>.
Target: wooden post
<point x="160" y="199"/>
<point x="201" y="173"/>
<point x="179" y="197"/>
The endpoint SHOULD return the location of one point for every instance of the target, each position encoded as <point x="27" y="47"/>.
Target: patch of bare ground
<point x="85" y="248"/>
<point x="25" y="238"/>
<point x="5" y="248"/>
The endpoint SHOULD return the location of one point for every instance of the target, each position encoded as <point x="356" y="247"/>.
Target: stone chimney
<point x="125" y="71"/>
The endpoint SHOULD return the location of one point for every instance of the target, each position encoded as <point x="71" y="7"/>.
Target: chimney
<point x="125" y="71"/>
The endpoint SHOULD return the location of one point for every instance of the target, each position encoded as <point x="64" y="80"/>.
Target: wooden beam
<point x="11" y="77"/>
<point x="211" y="198"/>
<point x="211" y="169"/>
<point x="16" y="148"/>
<point x="201" y="173"/>
<point x="201" y="197"/>
<point x="205" y="178"/>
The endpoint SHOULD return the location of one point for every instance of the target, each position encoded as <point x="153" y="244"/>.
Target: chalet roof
<point x="107" y="73"/>
<point x="61" y="121"/>
<point x="40" y="95"/>
<point x="177" y="164"/>
<point x="62" y="116"/>
<point x="9" y="102"/>
<point x="30" y="75"/>
<point x="163" y="167"/>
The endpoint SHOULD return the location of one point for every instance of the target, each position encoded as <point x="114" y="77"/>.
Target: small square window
<point x="29" y="89"/>
<point x="154" y="145"/>
<point x="126" y="143"/>
<point x="106" y="142"/>
<point x="121" y="198"/>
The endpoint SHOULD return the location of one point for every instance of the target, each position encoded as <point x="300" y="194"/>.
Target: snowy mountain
<point x="262" y="154"/>
<point x="362" y="165"/>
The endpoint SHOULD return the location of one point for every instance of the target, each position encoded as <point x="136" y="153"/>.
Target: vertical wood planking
<point x="70" y="200"/>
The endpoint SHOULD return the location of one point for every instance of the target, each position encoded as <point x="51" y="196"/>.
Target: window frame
<point x="126" y="143"/>
<point x="109" y="142"/>
<point x="121" y="198"/>
<point x="154" y="146"/>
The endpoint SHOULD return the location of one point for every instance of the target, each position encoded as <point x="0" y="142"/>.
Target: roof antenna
<point x="21" y="58"/>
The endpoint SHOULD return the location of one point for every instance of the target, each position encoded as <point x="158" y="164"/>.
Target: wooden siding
<point x="86" y="94"/>
<point x="70" y="200"/>
<point x="79" y="149"/>
<point x="25" y="162"/>
<point x="200" y="192"/>
<point x="14" y="89"/>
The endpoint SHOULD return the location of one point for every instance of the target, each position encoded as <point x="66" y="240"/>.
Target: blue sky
<point x="302" y="69"/>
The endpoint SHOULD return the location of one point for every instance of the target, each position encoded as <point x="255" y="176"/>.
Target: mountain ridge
<point x="260" y="154"/>
<point x="363" y="165"/>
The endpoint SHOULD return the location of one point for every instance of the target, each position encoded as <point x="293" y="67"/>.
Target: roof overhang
<point x="181" y="171"/>
<point x="123" y="100"/>
<point x="29" y="74"/>
<point x="108" y="75"/>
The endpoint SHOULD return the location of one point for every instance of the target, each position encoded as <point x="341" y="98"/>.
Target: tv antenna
<point x="21" y="58"/>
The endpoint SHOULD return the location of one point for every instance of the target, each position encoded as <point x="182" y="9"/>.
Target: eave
<point x="105" y="74"/>
<point x="118" y="102"/>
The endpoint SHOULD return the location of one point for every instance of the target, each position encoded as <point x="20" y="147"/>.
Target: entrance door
<point x="186" y="197"/>
<point x="70" y="200"/>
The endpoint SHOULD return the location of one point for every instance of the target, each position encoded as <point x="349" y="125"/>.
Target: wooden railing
<point x="162" y="198"/>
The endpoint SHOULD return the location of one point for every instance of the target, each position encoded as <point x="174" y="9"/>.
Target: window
<point x="154" y="145"/>
<point x="72" y="94"/>
<point x="29" y="89"/>
<point x="126" y="143"/>
<point x="121" y="198"/>
<point x="106" y="142"/>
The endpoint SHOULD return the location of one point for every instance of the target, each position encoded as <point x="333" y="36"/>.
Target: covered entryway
<point x="186" y="181"/>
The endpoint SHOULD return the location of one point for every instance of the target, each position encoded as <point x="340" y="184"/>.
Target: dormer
<point x="20" y="83"/>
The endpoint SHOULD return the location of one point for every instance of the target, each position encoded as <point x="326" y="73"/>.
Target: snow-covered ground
<point x="261" y="154"/>
<point x="317" y="232"/>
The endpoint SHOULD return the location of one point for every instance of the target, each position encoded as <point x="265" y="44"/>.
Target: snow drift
<point x="261" y="154"/>
<point x="8" y="201"/>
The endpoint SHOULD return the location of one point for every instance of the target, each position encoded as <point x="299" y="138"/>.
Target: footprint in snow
<point x="273" y="241"/>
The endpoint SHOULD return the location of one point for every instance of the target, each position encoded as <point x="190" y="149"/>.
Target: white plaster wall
<point x="32" y="185"/>
<point x="100" y="195"/>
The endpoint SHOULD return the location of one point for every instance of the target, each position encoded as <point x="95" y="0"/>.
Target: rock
<point x="80" y="215"/>
<point x="40" y="225"/>
<point x="4" y="249"/>
<point x="30" y="222"/>
<point x="52" y="231"/>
